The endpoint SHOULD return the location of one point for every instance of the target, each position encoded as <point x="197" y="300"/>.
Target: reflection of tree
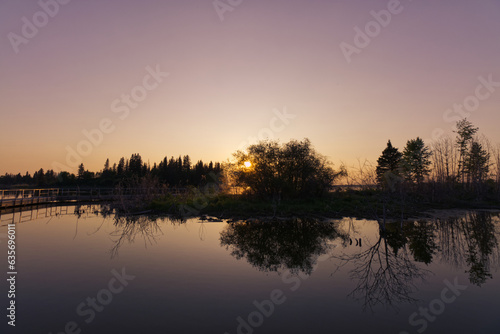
<point x="482" y="243"/>
<point x="128" y="228"/>
<point x="271" y="246"/>
<point x="470" y="241"/>
<point x="385" y="273"/>
<point x="421" y="239"/>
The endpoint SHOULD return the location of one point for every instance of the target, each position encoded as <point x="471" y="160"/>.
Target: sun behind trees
<point x="293" y="178"/>
<point x="272" y="170"/>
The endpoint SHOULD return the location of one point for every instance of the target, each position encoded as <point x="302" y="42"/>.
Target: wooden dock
<point x="12" y="198"/>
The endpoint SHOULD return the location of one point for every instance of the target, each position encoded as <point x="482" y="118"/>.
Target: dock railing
<point x="24" y="197"/>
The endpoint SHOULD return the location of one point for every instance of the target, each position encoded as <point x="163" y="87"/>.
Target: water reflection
<point x="130" y="228"/>
<point x="471" y="242"/>
<point x="181" y="275"/>
<point x="468" y="242"/>
<point x="384" y="273"/>
<point x="388" y="271"/>
<point x="271" y="246"/>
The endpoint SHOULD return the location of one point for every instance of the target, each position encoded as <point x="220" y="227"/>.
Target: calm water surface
<point x="81" y="271"/>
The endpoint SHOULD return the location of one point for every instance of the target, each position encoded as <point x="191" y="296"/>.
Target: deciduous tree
<point x="292" y="169"/>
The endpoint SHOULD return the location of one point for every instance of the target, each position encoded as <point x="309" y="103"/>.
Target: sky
<point x="82" y="81"/>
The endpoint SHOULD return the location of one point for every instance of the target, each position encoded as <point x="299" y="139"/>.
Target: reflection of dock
<point x="25" y="214"/>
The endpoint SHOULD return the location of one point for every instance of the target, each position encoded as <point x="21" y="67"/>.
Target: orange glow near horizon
<point x="167" y="78"/>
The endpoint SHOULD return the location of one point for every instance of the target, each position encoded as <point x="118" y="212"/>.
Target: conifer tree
<point x="388" y="164"/>
<point x="416" y="160"/>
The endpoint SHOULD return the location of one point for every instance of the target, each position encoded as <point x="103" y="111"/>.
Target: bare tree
<point x="361" y="175"/>
<point x="445" y="159"/>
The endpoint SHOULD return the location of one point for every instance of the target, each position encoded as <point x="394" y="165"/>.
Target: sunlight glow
<point x="247" y="164"/>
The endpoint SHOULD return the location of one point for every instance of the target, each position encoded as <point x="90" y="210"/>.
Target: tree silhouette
<point x="81" y="171"/>
<point x="135" y="165"/>
<point x="388" y="165"/>
<point x="476" y="165"/>
<point x="294" y="169"/>
<point x="465" y="134"/>
<point x="39" y="177"/>
<point x="416" y="160"/>
<point x="120" y="169"/>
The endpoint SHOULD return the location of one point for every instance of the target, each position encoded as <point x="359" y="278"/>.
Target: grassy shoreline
<point x="370" y="204"/>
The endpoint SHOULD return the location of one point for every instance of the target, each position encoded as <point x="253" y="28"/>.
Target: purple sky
<point x="229" y="78"/>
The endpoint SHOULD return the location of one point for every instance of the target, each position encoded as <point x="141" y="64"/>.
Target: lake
<point x="82" y="269"/>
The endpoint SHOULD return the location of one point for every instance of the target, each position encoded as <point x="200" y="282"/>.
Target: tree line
<point x="173" y="172"/>
<point x="465" y="167"/>
<point x="467" y="163"/>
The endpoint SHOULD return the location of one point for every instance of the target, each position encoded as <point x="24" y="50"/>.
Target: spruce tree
<point x="388" y="162"/>
<point x="416" y="160"/>
<point x="477" y="163"/>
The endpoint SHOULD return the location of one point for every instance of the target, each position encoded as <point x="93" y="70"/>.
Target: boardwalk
<point x="11" y="198"/>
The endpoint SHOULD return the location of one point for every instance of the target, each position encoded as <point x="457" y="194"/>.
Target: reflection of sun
<point x="247" y="164"/>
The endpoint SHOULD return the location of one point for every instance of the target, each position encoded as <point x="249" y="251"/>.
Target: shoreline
<point x="359" y="205"/>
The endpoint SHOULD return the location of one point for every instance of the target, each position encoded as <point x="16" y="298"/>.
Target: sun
<point x="247" y="164"/>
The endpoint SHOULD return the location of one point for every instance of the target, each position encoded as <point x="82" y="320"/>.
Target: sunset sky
<point x="205" y="78"/>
